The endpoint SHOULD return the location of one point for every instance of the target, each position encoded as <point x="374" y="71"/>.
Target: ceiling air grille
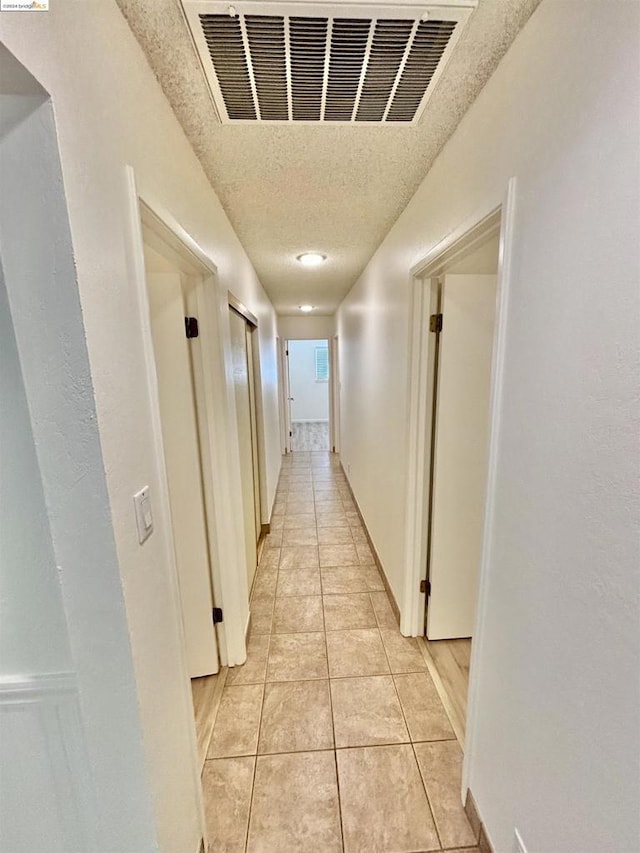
<point x="306" y="64"/>
<point x="307" y="47"/>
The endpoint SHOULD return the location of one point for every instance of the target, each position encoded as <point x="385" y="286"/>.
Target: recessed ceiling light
<point x="311" y="259"/>
<point x="306" y="308"/>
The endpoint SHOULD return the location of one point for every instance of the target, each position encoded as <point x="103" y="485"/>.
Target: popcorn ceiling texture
<point x="338" y="189"/>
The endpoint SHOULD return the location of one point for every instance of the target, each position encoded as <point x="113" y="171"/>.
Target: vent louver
<point x="307" y="64"/>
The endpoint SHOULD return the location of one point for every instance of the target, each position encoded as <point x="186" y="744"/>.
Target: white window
<point x="322" y="364"/>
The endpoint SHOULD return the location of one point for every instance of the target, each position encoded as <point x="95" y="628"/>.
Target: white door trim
<point x="413" y="609"/>
<point x="286" y="393"/>
<point x="334" y="395"/>
<point x="241" y="308"/>
<point x="462" y="239"/>
<point x="505" y="275"/>
<point x="333" y="390"/>
<point x="258" y="402"/>
<point x="229" y="582"/>
<point x="281" y="397"/>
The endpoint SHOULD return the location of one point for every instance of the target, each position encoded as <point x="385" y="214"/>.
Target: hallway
<point x="436" y="200"/>
<point x="332" y="736"/>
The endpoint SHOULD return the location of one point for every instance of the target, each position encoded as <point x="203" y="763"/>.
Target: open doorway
<point x="463" y="293"/>
<point x="457" y="299"/>
<point x="309" y="406"/>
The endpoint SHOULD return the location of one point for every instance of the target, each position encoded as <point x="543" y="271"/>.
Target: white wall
<point x="46" y="769"/>
<point x="554" y="749"/>
<point x="83" y="776"/>
<point x="33" y="630"/>
<point x="111" y="114"/>
<point x="310" y="398"/>
<point x="306" y="328"/>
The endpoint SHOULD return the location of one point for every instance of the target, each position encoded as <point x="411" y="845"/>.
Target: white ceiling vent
<point x="335" y="64"/>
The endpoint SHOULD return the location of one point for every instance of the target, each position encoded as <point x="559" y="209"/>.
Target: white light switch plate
<point x="144" y="515"/>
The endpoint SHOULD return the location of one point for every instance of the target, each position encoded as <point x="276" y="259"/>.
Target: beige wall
<point x="306" y="328"/>
<point x="553" y="745"/>
<point x="111" y="113"/>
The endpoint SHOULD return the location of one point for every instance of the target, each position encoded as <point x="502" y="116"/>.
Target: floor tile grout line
<point x="334" y="748"/>
<point x="336" y="678"/>
<point x="253" y="785"/>
<point x="255" y="764"/>
<point x="426" y="791"/>
<point x="413" y="751"/>
<point x="333" y="724"/>
<point x="422" y="779"/>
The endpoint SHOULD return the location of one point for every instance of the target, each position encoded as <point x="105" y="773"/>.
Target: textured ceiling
<point x="334" y="189"/>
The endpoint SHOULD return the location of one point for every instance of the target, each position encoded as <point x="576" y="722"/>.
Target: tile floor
<point x="332" y="736"/>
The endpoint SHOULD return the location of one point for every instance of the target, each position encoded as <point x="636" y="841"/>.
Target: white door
<point x="184" y="475"/>
<point x="245" y="413"/>
<point x="460" y="453"/>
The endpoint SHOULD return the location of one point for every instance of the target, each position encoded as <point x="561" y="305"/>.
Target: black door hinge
<point x="217" y="615"/>
<point x="425" y="586"/>
<point x="287" y="352"/>
<point x="290" y="434"/>
<point x="191" y="327"/>
<point x="435" y="323"/>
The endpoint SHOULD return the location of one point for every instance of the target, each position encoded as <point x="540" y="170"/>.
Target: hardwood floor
<point x="450" y="660"/>
<point x="310" y="435"/>
<point x="206" y="693"/>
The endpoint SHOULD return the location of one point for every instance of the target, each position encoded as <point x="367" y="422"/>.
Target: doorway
<point x="308" y="400"/>
<point x="459" y="298"/>
<point x="173" y="277"/>
<point x="243" y="327"/>
<point x="463" y="292"/>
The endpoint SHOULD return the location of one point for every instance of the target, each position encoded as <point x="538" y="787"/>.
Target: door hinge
<point x="191" y="327"/>
<point x="435" y="323"/>
<point x="290" y="434"/>
<point x="286" y="352"/>
<point x="425" y="586"/>
<point x="217" y="615"/>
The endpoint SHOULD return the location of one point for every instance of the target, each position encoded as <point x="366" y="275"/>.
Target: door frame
<point x="332" y="390"/>
<point x="228" y="583"/>
<point x="252" y="320"/>
<point x="497" y="217"/>
<point x="501" y="210"/>
<point x="283" y="393"/>
<point x="334" y="395"/>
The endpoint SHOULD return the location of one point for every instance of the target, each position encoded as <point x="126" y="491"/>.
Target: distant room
<point x="309" y="394"/>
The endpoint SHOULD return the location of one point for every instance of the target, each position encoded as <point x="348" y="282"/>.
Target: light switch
<point x="144" y="516"/>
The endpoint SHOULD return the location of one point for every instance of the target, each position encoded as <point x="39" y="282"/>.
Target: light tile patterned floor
<point x="332" y="736"/>
<point x="309" y="435"/>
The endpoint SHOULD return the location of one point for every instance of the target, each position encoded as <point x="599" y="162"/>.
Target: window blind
<point x="322" y="364"/>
